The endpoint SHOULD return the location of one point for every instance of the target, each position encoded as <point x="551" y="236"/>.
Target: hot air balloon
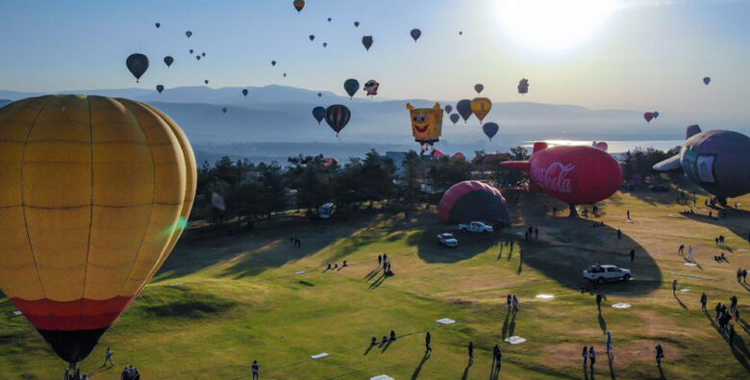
<point x="351" y="86"/>
<point x="191" y="51"/>
<point x="168" y="60"/>
<point x="298" y="5"/>
<point x="415" y="34"/>
<point x="328" y="161"/>
<point x="158" y="25"/>
<point x="337" y="116"/>
<point x="464" y="108"/>
<point x="455" y="118"/>
<point x="367" y="42"/>
<point x="478" y="88"/>
<point x="284" y="75"/>
<point x="356" y="24"/>
<point x="188" y="34"/>
<point x="490" y="129"/>
<point x="648" y="116"/>
<point x="481" y="107"/>
<point x="459" y="155"/>
<point x="159" y="88"/>
<point x="523" y="86"/>
<point x="468" y="201"/>
<point x="206" y="81"/>
<point x="137" y="64"/>
<point x="312" y="37"/>
<point x="448" y="109"/>
<point x="244" y="92"/>
<point x="656" y="114"/>
<point x="203" y="54"/>
<point x="460" y="33"/>
<point x="325" y="44"/>
<point x="84" y="229"/>
<point x="706" y="80"/>
<point x="438" y="154"/>
<point x="330" y="19"/>
<point x="426" y="125"/>
<point x="320" y="94"/>
<point x="319" y="113"/>
<point x="273" y="63"/>
<point x="371" y="87"/>
<point x="198" y="57"/>
<point x="224" y="110"/>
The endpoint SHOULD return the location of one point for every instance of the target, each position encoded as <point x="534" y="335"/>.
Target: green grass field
<point x="220" y="302"/>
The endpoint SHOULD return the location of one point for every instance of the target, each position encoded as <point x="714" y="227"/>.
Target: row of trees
<point x="242" y="189"/>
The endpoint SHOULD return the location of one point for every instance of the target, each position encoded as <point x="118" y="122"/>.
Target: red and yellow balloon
<point x="94" y="194"/>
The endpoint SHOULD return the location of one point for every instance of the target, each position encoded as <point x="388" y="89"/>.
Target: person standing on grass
<point x="599" y="302"/>
<point x="509" y="301"/>
<point x="256" y="370"/>
<point x="585" y="355"/>
<point x="427" y="341"/>
<point x="690" y="251"/>
<point x="592" y="359"/>
<point x="609" y="342"/>
<point x="380" y="260"/>
<point x="733" y="305"/>
<point x="681" y="251"/>
<point x="659" y="355"/>
<point x="628" y="214"/>
<point x="511" y="245"/>
<point x="471" y="352"/>
<point x="704" y="301"/>
<point x="619" y="234"/>
<point x="385" y="258"/>
<point x="515" y="304"/>
<point x="674" y="287"/>
<point x="498" y="358"/>
<point x="632" y="255"/>
<point x="109" y="358"/>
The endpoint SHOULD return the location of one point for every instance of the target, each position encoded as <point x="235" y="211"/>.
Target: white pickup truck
<point x="603" y="273"/>
<point x="475" y="227"/>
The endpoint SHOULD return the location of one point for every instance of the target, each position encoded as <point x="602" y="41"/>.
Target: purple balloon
<point x="415" y="34"/>
<point x="448" y="109"/>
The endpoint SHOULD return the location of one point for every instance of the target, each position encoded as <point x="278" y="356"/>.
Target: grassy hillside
<point x="222" y="301"/>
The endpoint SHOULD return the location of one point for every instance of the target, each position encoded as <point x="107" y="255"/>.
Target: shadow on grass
<point x="736" y="221"/>
<point x="415" y="375"/>
<point x="254" y="253"/>
<point x="469" y="244"/>
<point x="576" y="245"/>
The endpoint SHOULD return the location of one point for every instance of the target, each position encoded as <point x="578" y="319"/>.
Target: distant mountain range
<point x="283" y="114"/>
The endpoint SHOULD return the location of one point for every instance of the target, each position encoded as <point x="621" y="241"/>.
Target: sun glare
<point x="553" y="25"/>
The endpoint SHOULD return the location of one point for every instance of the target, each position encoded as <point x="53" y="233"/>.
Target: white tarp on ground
<point x="685" y="290"/>
<point x="446" y="321"/>
<point x="621" y="305"/>
<point x="691" y="264"/>
<point x="17" y="313"/>
<point x="742" y="250"/>
<point x="300" y="272"/>
<point x="382" y="377"/>
<point x="545" y="296"/>
<point x="319" y="356"/>
<point x="515" y="340"/>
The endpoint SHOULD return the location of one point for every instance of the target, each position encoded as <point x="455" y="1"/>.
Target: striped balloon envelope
<point x="337" y="116"/>
<point x="94" y="194"/>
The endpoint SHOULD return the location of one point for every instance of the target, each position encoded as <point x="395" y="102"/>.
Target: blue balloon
<point x="319" y="113"/>
<point x="490" y="129"/>
<point x="455" y="118"/>
<point x="351" y="86"/>
<point x="464" y="108"/>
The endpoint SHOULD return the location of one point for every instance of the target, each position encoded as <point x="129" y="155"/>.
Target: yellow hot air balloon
<point x="481" y="107"/>
<point x="94" y="194"/>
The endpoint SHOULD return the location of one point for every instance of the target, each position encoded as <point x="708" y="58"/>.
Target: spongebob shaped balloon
<point x="426" y="125"/>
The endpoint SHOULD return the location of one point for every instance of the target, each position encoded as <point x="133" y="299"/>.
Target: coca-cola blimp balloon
<point x="469" y="201"/>
<point x="573" y="174"/>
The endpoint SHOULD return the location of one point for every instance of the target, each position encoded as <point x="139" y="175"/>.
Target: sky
<point x="622" y="54"/>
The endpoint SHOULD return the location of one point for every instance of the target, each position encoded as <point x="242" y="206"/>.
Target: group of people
<point x="386" y="339"/>
<point x="721" y="258"/>
<point x="741" y="275"/>
<point x="531" y="232"/>
<point x="719" y="240"/>
<point x="512" y="302"/>
<point x="74" y="373"/>
<point x="383" y="261"/>
<point x="724" y="316"/>
<point x="681" y="251"/>
<point x="296" y="242"/>
<point x="130" y="373"/>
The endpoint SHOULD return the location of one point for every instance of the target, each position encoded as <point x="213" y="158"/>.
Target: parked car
<point x="447" y="240"/>
<point x="603" y="273"/>
<point x="475" y="227"/>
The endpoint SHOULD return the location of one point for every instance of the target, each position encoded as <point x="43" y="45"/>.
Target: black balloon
<point x="168" y="60"/>
<point x="137" y="64"/>
<point x="158" y="25"/>
<point x="244" y="92"/>
<point x="159" y="88"/>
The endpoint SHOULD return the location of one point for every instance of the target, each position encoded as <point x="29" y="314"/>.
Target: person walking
<point x="681" y="251"/>
<point x="609" y="342"/>
<point x="427" y="341"/>
<point x="471" y="352"/>
<point x="592" y="358"/>
<point x="515" y="304"/>
<point x="619" y="234"/>
<point x="632" y="255"/>
<point x="599" y="302"/>
<point x="380" y="260"/>
<point x="585" y="355"/>
<point x="109" y="358"/>
<point x="704" y="301"/>
<point x="256" y="370"/>
<point x="628" y="214"/>
<point x="659" y="355"/>
<point x="674" y="287"/>
<point x="733" y="305"/>
<point x="509" y="300"/>
<point x="385" y="258"/>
